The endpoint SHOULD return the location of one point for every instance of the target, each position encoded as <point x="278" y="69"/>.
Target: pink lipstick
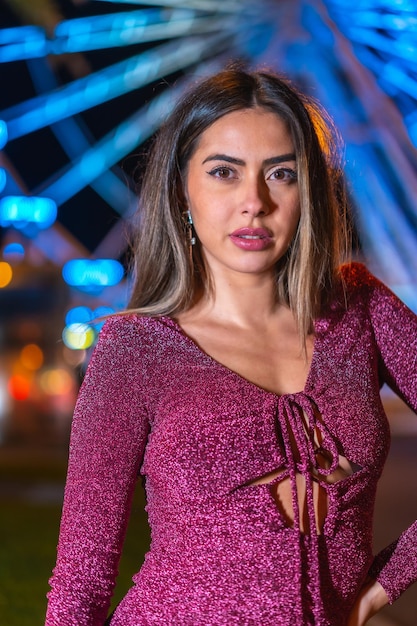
<point x="252" y="239"/>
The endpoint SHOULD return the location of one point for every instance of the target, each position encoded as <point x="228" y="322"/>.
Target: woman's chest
<point x="214" y="428"/>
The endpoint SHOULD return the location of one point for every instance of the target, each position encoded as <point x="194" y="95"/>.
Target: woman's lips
<point x="251" y="238"/>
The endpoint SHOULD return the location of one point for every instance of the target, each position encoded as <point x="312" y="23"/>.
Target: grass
<point x="29" y="532"/>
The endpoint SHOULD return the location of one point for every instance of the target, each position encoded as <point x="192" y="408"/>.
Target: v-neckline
<point x="308" y="382"/>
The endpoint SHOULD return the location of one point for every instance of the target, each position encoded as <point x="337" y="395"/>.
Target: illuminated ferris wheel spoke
<point x="74" y="142"/>
<point x="125" y="32"/>
<point x="382" y="36"/>
<point x="110" y="149"/>
<point x="225" y="6"/>
<point x="108" y="84"/>
<point x="124" y="29"/>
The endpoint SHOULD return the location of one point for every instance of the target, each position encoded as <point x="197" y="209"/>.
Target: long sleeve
<point x="395" y="330"/>
<point x="108" y="437"/>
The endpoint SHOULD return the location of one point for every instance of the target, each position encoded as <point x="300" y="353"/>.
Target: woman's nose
<point x="255" y="200"/>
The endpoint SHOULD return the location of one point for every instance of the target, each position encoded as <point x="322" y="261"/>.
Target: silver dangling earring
<point x="190" y="228"/>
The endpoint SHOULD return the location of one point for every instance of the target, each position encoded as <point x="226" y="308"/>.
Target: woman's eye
<point x="286" y="174"/>
<point x="221" y="172"/>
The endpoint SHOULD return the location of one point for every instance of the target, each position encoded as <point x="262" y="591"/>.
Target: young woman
<point x="243" y="385"/>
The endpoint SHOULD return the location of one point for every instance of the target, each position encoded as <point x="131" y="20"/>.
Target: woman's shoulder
<point x="356" y="275"/>
<point x="358" y="280"/>
<point x="361" y="288"/>
<point x="130" y="326"/>
<point x="130" y="339"/>
<point x="355" y="287"/>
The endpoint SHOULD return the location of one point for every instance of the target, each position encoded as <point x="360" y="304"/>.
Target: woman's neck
<point x="244" y="300"/>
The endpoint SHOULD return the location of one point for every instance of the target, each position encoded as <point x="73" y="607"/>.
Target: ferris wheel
<point x="95" y="79"/>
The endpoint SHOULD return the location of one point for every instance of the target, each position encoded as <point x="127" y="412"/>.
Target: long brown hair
<point x="166" y="277"/>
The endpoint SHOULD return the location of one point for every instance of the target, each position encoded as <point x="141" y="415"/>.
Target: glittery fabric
<point x="222" y="551"/>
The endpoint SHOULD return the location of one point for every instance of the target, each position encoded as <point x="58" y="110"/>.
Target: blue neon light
<point x="3" y="178"/>
<point x="114" y="146"/>
<point x="106" y="31"/>
<point x="85" y="315"/>
<point x="20" y="211"/>
<point x="87" y="273"/>
<point x="78" y="315"/>
<point x="22" y="42"/>
<point x="131" y="33"/>
<point x="110" y="22"/>
<point x="102" y="311"/>
<point x="226" y="6"/>
<point x="100" y="314"/>
<point x="110" y="83"/>
<point x="13" y="251"/>
<point x="4" y="135"/>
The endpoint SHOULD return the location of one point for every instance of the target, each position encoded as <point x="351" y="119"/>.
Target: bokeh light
<point x="78" y="315"/>
<point x="13" y="252"/>
<point x="3" y="178"/>
<point x="87" y="273"/>
<point x="31" y="356"/>
<point x="56" y="382"/>
<point x="6" y="274"/>
<point x="3" y="134"/>
<point x="20" y="211"/>
<point x="4" y="400"/>
<point x="100" y="314"/>
<point x="19" y="387"/>
<point x="78" y="336"/>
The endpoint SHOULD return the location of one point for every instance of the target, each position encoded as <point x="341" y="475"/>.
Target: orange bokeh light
<point x="56" y="382"/>
<point x="31" y="356"/>
<point x="6" y="273"/>
<point x="19" y="387"/>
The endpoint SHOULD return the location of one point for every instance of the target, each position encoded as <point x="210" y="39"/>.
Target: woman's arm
<point x="395" y="331"/>
<point x="107" y="442"/>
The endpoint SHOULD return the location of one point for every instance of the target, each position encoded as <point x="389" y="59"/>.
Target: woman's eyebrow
<point x="282" y="158"/>
<point x="224" y="157"/>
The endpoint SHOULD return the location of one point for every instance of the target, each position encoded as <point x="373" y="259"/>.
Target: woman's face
<point x="242" y="191"/>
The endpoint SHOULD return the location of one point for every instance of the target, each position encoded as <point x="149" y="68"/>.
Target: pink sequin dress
<point x="222" y="553"/>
